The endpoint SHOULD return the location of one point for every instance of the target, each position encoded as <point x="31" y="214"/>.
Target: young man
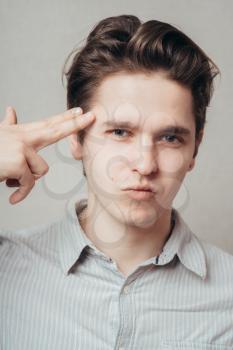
<point x="123" y="270"/>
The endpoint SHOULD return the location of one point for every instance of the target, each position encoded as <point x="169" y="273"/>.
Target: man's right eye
<point x="118" y="132"/>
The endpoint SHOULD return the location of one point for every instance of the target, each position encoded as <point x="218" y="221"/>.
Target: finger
<point x="37" y="166"/>
<point x="10" y="117"/>
<point x="36" y="163"/>
<point x="15" y="182"/>
<point x="51" y="121"/>
<point x="67" y="115"/>
<point x="27" y="182"/>
<point x="47" y="136"/>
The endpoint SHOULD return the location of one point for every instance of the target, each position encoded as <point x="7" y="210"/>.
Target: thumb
<point x="10" y="117"/>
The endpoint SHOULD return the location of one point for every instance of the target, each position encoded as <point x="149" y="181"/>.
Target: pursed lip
<point x="140" y="193"/>
<point x="140" y="188"/>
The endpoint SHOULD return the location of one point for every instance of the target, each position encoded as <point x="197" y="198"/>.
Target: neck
<point x="126" y="244"/>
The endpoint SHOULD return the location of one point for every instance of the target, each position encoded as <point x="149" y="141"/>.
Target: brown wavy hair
<point x="126" y="44"/>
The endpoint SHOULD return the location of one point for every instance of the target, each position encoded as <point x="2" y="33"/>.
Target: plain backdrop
<point x="37" y="36"/>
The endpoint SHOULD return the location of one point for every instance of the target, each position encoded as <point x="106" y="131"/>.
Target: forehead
<point x="143" y="99"/>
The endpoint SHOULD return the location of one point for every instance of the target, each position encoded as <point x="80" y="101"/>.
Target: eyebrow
<point x="177" y="129"/>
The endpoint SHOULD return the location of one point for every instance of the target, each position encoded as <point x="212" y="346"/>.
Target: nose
<point x="146" y="161"/>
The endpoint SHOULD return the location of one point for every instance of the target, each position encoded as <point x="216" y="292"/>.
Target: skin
<point x="128" y="230"/>
<point x="20" y="163"/>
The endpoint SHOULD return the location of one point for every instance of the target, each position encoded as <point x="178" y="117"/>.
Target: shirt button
<point x="126" y="291"/>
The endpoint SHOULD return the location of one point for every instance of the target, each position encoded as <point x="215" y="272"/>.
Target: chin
<point x="142" y="217"/>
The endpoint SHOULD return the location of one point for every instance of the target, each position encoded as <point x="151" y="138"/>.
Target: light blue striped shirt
<point x="59" y="292"/>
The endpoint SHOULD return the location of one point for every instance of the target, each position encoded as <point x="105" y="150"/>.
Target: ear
<point x="75" y="146"/>
<point x="197" y="144"/>
<point x="191" y="165"/>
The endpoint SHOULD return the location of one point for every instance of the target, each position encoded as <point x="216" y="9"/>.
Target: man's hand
<point x="20" y="165"/>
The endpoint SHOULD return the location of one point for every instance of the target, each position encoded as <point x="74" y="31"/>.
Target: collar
<point x="186" y="245"/>
<point x="72" y="242"/>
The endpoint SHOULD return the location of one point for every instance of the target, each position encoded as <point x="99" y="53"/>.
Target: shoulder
<point x="28" y="241"/>
<point x="217" y="259"/>
<point x="215" y="254"/>
<point x="219" y="262"/>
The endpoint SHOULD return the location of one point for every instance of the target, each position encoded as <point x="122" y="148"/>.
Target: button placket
<point x="126" y="323"/>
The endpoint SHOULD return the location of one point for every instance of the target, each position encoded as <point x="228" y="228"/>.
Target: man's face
<point x="117" y="156"/>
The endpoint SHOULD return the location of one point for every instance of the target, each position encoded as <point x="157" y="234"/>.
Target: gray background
<point x="36" y="38"/>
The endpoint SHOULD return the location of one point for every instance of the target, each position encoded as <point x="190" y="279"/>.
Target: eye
<point x="118" y="132"/>
<point x="171" y="138"/>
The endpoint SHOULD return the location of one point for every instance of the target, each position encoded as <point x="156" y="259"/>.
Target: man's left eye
<point x="171" y="138"/>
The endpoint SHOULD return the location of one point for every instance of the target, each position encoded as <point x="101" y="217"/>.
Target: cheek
<point x="118" y="170"/>
<point x="173" y="165"/>
<point x="106" y="166"/>
<point x="117" y="165"/>
<point x="168" y="191"/>
<point x="173" y="161"/>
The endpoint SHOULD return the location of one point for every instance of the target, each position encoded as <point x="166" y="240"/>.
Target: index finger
<point x="39" y="139"/>
<point x="50" y="121"/>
